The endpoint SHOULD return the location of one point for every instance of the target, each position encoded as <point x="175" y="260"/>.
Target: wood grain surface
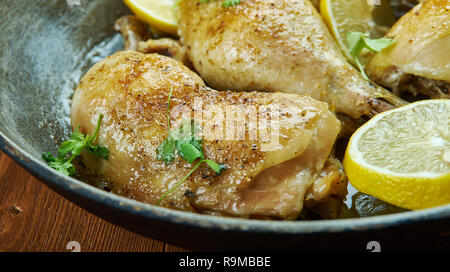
<point x="34" y="218"/>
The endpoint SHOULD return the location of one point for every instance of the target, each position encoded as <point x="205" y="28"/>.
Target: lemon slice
<point x="402" y="156"/>
<point x="160" y="14"/>
<point x="374" y="17"/>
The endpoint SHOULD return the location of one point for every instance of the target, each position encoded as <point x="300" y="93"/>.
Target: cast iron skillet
<point x="47" y="45"/>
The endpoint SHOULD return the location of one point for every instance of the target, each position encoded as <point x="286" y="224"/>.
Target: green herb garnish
<point x="183" y="140"/>
<point x="75" y="146"/>
<point x="225" y="3"/>
<point x="229" y="3"/>
<point x="358" y="41"/>
<point x="218" y="168"/>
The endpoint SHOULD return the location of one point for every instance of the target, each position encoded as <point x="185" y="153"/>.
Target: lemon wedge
<point x="374" y="17"/>
<point x="159" y="14"/>
<point x="402" y="156"/>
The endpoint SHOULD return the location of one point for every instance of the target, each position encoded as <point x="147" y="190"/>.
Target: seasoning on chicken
<point x="276" y="46"/>
<point x="419" y="61"/>
<point x="131" y="90"/>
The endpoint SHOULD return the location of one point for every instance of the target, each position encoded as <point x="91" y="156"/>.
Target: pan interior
<point x="46" y="47"/>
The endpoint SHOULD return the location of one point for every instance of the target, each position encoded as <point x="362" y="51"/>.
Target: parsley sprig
<point x="218" y="168"/>
<point x="358" y="41"/>
<point x="225" y="3"/>
<point x="184" y="141"/>
<point x="72" y="148"/>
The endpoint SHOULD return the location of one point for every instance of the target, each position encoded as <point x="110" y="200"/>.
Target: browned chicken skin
<point x="279" y="45"/>
<point x="419" y="61"/>
<point x="131" y="90"/>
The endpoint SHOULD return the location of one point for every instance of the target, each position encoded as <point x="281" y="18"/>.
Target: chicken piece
<point x="167" y="47"/>
<point x="419" y="61"/>
<point x="136" y="37"/>
<point x="331" y="182"/>
<point x="263" y="178"/>
<point x="133" y="31"/>
<point x="280" y="45"/>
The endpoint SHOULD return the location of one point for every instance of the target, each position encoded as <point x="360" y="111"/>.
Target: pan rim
<point x="45" y="174"/>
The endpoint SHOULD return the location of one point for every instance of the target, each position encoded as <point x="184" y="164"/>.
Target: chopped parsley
<point x="225" y="3"/>
<point x="229" y="3"/>
<point x="358" y="41"/>
<point x="72" y="148"/>
<point x="184" y="142"/>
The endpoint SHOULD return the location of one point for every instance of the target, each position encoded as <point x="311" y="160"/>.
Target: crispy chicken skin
<point x="419" y="61"/>
<point x="131" y="90"/>
<point x="278" y="45"/>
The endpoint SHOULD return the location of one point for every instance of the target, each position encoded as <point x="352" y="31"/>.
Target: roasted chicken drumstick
<point x="278" y="45"/>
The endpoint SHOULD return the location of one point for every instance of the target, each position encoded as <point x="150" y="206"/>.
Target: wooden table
<point x="34" y="218"/>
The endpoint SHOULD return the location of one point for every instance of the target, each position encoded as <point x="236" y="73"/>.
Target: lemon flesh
<point x="402" y="156"/>
<point x="366" y="16"/>
<point x="159" y="14"/>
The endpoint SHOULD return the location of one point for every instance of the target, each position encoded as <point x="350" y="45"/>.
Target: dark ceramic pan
<point x="46" y="46"/>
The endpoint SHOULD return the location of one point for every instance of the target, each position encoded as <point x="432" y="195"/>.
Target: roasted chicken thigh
<point x="419" y="61"/>
<point x="262" y="179"/>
